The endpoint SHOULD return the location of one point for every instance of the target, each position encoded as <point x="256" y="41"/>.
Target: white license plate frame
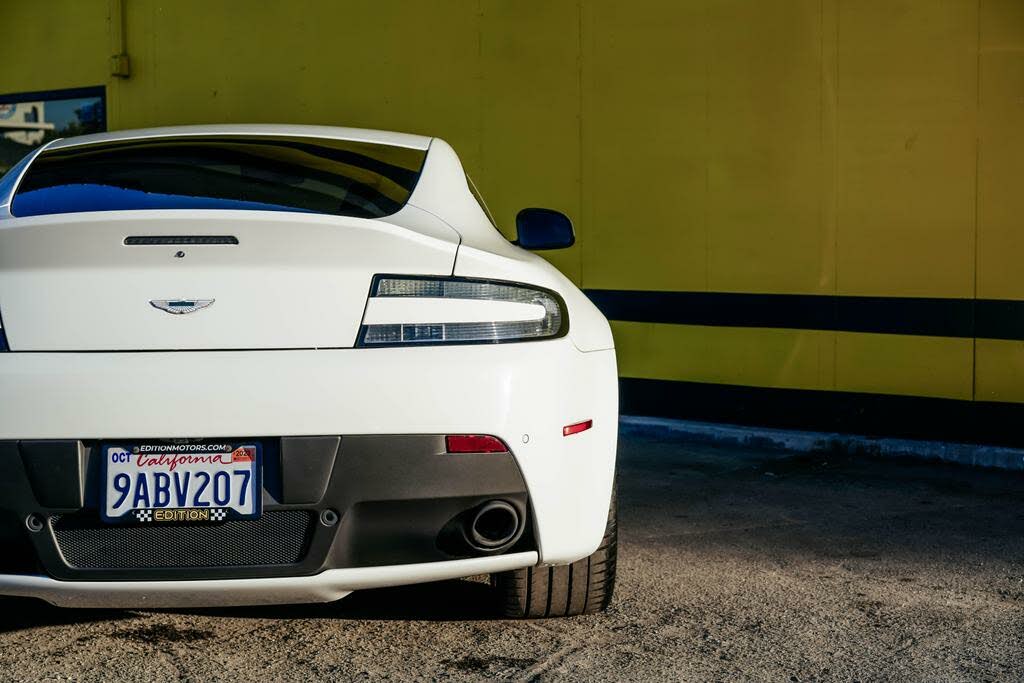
<point x="183" y="482"/>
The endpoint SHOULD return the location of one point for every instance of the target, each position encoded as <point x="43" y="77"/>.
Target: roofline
<point x="382" y="137"/>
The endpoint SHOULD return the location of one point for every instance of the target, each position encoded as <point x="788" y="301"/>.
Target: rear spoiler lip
<point x="369" y="135"/>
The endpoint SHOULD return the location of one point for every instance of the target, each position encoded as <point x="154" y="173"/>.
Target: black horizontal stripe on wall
<point x="987" y="318"/>
<point x="879" y="415"/>
<point x="999" y="319"/>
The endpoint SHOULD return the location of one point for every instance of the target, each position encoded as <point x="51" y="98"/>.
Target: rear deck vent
<point x="148" y="240"/>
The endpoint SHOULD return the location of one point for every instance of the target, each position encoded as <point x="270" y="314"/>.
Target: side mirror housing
<point x="538" y="229"/>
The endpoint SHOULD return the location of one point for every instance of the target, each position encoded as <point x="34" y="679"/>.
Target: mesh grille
<point x="277" y="538"/>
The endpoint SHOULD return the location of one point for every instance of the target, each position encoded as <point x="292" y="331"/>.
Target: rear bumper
<point x="327" y="586"/>
<point x="329" y="502"/>
<point x="523" y="393"/>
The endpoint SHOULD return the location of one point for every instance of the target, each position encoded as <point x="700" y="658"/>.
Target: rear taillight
<point x="474" y="443"/>
<point x="414" y="310"/>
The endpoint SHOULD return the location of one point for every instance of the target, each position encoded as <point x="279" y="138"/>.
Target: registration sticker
<point x="180" y="483"/>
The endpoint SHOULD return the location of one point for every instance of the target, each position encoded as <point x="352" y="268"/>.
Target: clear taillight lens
<point x="420" y="310"/>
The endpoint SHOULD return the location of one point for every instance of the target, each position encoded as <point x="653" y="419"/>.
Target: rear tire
<point x="583" y="587"/>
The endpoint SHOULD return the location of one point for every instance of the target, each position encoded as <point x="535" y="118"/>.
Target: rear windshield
<point x="311" y="175"/>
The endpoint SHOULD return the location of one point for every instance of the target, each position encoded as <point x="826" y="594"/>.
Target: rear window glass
<point x="336" y="177"/>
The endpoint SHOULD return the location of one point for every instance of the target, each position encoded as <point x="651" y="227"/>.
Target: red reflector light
<point x="474" y="443"/>
<point x="569" y="430"/>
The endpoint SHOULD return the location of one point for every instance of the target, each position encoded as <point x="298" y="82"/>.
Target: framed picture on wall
<point x="31" y="119"/>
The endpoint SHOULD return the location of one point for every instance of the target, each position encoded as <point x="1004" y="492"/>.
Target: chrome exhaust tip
<point x="495" y="524"/>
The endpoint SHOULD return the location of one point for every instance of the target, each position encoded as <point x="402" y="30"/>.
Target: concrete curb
<point x="810" y="442"/>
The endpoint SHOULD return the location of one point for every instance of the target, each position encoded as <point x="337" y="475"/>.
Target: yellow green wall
<point x="842" y="147"/>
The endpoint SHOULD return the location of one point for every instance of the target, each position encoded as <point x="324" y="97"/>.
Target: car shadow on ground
<point x="456" y="600"/>
<point x="18" y="614"/>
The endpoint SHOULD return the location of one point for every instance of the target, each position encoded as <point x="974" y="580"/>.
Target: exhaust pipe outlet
<point x="494" y="525"/>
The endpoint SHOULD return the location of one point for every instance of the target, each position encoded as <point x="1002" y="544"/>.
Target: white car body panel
<point x="522" y="393"/>
<point x="289" y="301"/>
<point x="485" y="253"/>
<point x="68" y="283"/>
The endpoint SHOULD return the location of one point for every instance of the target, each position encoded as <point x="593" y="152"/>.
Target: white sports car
<point x="276" y="364"/>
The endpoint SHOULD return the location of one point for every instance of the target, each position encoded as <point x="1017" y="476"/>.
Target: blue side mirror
<point x="538" y="229"/>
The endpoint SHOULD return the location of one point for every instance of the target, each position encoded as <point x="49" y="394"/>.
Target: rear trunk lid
<point x="70" y="282"/>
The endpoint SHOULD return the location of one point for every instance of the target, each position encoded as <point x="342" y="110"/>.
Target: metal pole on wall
<point x="120" y="66"/>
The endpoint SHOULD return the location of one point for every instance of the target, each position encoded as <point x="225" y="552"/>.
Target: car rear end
<point x="249" y="368"/>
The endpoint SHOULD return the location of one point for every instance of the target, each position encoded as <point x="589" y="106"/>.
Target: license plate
<point x="196" y="482"/>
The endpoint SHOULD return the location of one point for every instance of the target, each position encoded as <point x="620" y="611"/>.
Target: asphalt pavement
<point x="735" y="564"/>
